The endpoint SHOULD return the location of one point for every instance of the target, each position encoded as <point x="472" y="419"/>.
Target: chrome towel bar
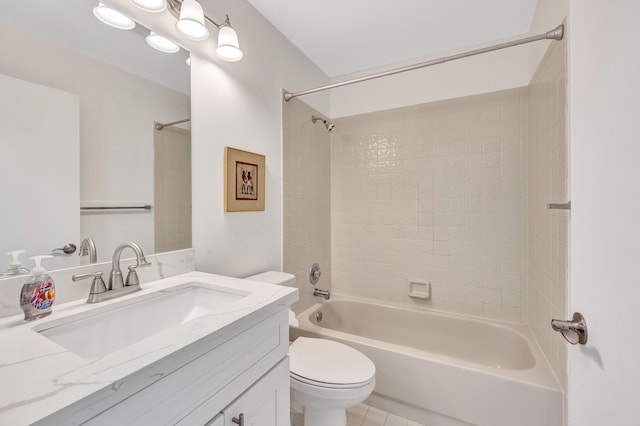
<point x="106" y="208"/>
<point x="559" y="206"/>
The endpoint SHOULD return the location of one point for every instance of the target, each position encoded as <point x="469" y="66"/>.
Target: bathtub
<point x="440" y="369"/>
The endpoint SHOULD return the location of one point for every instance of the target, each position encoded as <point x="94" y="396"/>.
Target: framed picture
<point x="243" y="180"/>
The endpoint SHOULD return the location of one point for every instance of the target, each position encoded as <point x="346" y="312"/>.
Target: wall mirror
<point x="79" y="101"/>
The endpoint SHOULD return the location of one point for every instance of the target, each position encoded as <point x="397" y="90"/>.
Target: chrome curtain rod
<point x="555" y="34"/>
<point x="160" y="126"/>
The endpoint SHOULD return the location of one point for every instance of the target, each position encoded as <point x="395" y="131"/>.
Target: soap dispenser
<point x="15" y="267"/>
<point x="38" y="293"/>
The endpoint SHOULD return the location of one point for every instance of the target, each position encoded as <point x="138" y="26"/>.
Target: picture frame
<point x="244" y="180"/>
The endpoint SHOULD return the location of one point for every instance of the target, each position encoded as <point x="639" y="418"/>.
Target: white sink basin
<point x="106" y="329"/>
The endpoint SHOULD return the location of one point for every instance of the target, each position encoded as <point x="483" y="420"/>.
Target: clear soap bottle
<point x="15" y="267"/>
<point x="38" y="292"/>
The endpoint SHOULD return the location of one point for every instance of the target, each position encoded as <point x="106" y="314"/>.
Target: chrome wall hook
<point x="574" y="331"/>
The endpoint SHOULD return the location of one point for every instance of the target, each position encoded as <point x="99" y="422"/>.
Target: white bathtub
<point x="443" y="370"/>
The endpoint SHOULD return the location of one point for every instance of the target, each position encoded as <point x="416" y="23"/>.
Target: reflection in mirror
<point x="78" y="104"/>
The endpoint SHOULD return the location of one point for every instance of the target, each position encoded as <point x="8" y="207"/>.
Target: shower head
<point x="329" y="125"/>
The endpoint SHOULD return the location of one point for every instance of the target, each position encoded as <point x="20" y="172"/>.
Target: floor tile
<point x="393" y="420"/>
<point x="375" y="417"/>
<point x="355" y="415"/>
<point x="363" y="415"/>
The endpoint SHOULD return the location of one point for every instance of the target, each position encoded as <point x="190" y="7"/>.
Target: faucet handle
<point x="94" y="275"/>
<point x="97" y="286"/>
<point x="132" y="276"/>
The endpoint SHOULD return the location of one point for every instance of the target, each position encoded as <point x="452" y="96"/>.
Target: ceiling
<point x="347" y="36"/>
<point x="339" y="36"/>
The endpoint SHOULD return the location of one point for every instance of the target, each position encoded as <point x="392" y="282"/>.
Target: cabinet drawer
<point x="234" y="364"/>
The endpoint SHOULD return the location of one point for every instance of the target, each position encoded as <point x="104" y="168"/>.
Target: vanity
<point x="193" y="349"/>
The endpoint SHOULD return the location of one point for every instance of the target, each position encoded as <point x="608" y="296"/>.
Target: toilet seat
<point x="300" y="379"/>
<point x="329" y="364"/>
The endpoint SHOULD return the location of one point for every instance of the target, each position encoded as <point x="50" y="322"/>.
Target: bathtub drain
<point x="318" y="316"/>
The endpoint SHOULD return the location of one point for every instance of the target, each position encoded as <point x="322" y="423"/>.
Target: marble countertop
<point x="38" y="377"/>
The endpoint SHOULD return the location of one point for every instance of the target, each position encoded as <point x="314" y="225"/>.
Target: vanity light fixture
<point x="112" y="17"/>
<point x="191" y="23"/>
<point x="228" y="46"/>
<point x="161" y="43"/>
<point x="153" y="6"/>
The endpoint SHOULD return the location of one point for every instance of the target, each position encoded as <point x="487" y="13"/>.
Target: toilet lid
<point x="326" y="361"/>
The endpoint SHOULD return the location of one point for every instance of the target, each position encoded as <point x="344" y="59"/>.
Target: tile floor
<point x="363" y="415"/>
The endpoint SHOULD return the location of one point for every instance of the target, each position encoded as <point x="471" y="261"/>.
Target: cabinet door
<point x="266" y="403"/>
<point x="216" y="421"/>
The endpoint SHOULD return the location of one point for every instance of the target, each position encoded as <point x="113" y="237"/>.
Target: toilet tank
<point x="274" y="277"/>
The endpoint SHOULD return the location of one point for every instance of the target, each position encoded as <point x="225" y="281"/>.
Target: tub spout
<point x="324" y="293"/>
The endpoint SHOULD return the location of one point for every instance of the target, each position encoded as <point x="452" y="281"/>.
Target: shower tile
<point x="420" y="181"/>
<point x="547" y="168"/>
<point x="511" y="298"/>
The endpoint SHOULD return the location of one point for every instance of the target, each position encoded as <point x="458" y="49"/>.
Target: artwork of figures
<point x="244" y="180"/>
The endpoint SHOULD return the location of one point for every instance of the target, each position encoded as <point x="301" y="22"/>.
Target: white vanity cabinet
<point x="266" y="403"/>
<point x="246" y="374"/>
<point x="217" y="421"/>
<point x="192" y="349"/>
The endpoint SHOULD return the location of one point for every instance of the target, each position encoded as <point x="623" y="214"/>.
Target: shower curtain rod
<point x="160" y="126"/>
<point x="555" y="34"/>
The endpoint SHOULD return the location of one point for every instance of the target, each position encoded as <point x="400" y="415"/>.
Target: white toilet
<point x="326" y="377"/>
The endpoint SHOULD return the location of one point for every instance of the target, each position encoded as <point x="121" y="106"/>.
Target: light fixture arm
<point x="226" y="22"/>
<point x="193" y="26"/>
<point x="174" y="8"/>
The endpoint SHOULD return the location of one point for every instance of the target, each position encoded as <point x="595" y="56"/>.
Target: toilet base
<point x="315" y="416"/>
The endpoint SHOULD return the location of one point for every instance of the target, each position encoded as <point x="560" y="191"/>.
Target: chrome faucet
<point x="88" y="247"/>
<point x="324" y="293"/>
<point x="99" y="291"/>
<point x="115" y="277"/>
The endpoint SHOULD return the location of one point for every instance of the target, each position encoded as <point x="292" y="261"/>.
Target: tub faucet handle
<point x="314" y="274"/>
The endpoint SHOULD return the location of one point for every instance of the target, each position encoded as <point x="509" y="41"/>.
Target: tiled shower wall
<point x="172" y="189"/>
<point x="548" y="229"/>
<point x="435" y="192"/>
<point x="307" y="204"/>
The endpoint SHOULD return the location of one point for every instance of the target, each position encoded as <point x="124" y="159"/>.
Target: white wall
<point x="40" y="162"/>
<point x="549" y="14"/>
<point x="239" y="105"/>
<point x="505" y="69"/>
<point x="604" y="89"/>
